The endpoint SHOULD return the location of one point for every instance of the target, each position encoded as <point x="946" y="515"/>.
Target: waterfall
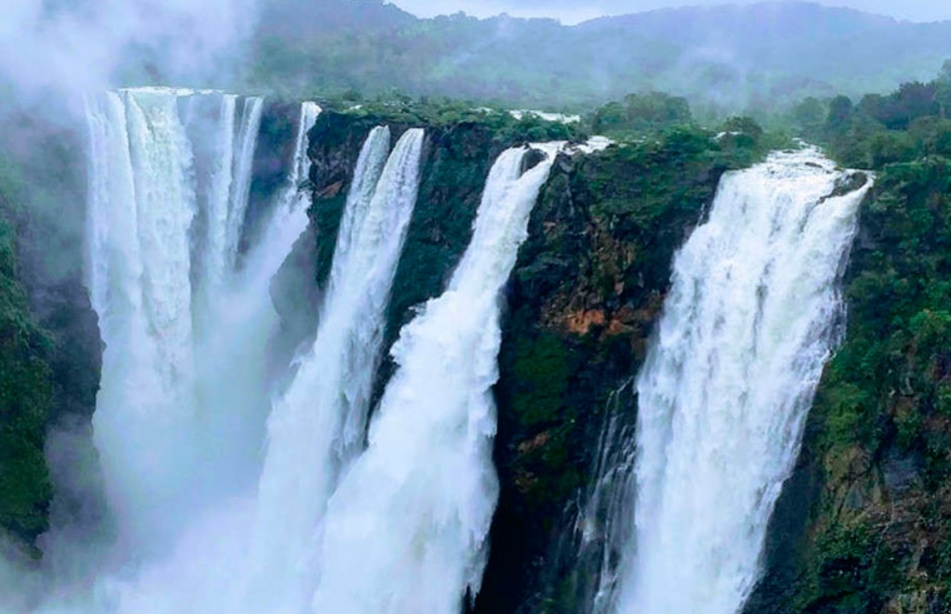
<point x="214" y="161"/>
<point x="241" y="176"/>
<point x="180" y="414"/>
<point x="184" y="397"/>
<point x="142" y="204"/>
<point x="222" y="141"/>
<point x="183" y="410"/>
<point x="730" y="376"/>
<point x="602" y="527"/>
<point x="318" y="425"/>
<point x="406" y="529"/>
<point x="288" y="219"/>
<point x="233" y="496"/>
<point x="243" y="321"/>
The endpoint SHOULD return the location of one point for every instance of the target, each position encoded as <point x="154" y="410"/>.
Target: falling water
<point x="184" y="393"/>
<point x="241" y="177"/>
<point x="602" y="528"/>
<point x="406" y="530"/>
<point x="177" y="314"/>
<point x="243" y="321"/>
<point x="142" y="204"/>
<point x="288" y="219"/>
<point x="318" y="425"/>
<point x="214" y="165"/>
<point x="728" y="381"/>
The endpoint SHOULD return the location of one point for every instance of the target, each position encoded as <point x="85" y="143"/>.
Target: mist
<point x="68" y="48"/>
<point x="56" y="58"/>
<point x="572" y="13"/>
<point x="211" y="311"/>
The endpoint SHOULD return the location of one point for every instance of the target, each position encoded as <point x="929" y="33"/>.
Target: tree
<point x="641" y="113"/>
<point x="840" y="115"/>
<point x="942" y="94"/>
<point x="809" y="116"/>
<point x="945" y="75"/>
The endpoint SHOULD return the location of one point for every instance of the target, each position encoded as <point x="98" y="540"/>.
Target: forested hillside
<point x="722" y="58"/>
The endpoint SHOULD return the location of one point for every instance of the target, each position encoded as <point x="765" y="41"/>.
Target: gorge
<point x="388" y="376"/>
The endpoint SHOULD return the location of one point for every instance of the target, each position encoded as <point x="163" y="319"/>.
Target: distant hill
<point x="730" y="57"/>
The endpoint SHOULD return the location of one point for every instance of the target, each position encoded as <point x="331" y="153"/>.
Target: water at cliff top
<point x="728" y="381"/>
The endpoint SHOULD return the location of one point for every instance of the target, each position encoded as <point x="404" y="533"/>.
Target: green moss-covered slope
<point x="25" y="402"/>
<point x="50" y="350"/>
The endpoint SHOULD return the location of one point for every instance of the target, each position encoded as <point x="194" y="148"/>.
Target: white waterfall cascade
<point x="183" y="400"/>
<point x="223" y="161"/>
<point x="318" y="426"/>
<point x="729" y="379"/>
<point x="288" y="219"/>
<point x="203" y="574"/>
<point x="142" y="205"/>
<point x="603" y="524"/>
<point x="243" y="321"/>
<point x="406" y="529"/>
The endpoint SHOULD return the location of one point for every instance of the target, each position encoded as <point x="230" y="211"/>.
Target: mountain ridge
<point x="731" y="57"/>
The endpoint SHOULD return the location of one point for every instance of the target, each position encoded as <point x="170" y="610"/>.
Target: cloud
<point x="76" y="46"/>
<point x="569" y="11"/>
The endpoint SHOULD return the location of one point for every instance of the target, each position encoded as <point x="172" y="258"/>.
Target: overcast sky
<point x="573" y="11"/>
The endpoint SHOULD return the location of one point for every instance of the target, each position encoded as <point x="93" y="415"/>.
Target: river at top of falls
<point x="729" y="378"/>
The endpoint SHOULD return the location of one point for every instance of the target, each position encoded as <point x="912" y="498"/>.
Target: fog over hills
<point x="572" y="12"/>
<point x="727" y="56"/>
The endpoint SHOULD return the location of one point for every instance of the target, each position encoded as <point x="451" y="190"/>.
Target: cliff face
<point x="25" y="405"/>
<point x="585" y="293"/>
<point x="587" y="288"/>
<point x="49" y="338"/>
<point x="864" y="524"/>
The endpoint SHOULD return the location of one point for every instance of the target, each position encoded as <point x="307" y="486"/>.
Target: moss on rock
<point x="588" y="286"/>
<point x="25" y="404"/>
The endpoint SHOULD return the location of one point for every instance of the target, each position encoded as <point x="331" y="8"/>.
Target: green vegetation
<point x="641" y="113"/>
<point x="25" y="393"/>
<point x="588" y="285"/>
<point x="540" y="380"/>
<point x="50" y="350"/>
<point x="442" y="113"/>
<point x="908" y="124"/>
<point x="725" y="59"/>
<point x="879" y="444"/>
